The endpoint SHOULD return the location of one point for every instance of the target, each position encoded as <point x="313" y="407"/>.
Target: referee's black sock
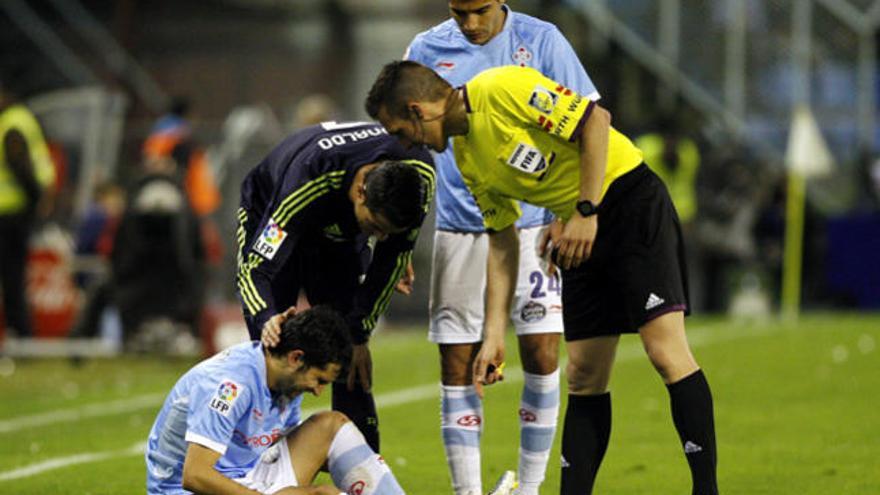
<point x="584" y="441"/>
<point x="694" y="419"/>
<point x="360" y="408"/>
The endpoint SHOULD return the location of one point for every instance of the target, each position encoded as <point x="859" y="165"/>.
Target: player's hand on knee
<point x="405" y="284"/>
<point x="361" y="368"/>
<point x="271" y="335"/>
<point x="576" y="241"/>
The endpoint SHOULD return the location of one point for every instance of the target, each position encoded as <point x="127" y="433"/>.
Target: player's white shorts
<point x="458" y="287"/>
<point x="273" y="472"/>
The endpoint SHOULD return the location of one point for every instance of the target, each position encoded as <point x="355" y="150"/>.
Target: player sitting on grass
<point x="231" y="424"/>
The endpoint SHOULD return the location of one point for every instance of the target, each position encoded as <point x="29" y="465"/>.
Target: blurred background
<point x="761" y="116"/>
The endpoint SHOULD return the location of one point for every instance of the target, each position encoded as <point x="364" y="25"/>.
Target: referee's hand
<point x="576" y="242"/>
<point x="271" y="335"/>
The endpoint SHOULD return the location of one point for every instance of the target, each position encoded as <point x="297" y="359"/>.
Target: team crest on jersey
<point x="527" y="158"/>
<point x="522" y="56"/>
<point x="533" y="311"/>
<point x="269" y="241"/>
<point x="543" y="99"/>
<point x="225" y="396"/>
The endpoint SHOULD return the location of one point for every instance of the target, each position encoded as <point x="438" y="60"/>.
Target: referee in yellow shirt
<point x="519" y="136"/>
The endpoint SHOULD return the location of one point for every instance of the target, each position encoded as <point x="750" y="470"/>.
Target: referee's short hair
<point x="402" y="81"/>
<point x="321" y="333"/>
<point x="397" y="191"/>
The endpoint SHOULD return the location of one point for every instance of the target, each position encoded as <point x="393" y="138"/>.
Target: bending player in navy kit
<point x="482" y="34"/>
<point x="231" y="424"/>
<point x="307" y="213"/>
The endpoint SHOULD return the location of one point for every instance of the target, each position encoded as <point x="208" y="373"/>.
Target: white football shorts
<point x="273" y="472"/>
<point x="458" y="288"/>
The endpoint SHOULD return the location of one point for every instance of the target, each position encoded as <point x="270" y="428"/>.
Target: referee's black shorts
<point x="636" y="271"/>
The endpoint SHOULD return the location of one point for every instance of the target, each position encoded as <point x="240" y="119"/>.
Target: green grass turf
<point x="796" y="413"/>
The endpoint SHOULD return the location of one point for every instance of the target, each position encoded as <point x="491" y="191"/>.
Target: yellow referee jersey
<point x="522" y="144"/>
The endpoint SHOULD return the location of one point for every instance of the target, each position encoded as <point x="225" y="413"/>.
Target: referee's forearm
<point x="501" y="272"/>
<point x="594" y="154"/>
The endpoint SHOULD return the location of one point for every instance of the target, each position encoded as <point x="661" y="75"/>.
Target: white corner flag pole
<point x="807" y="156"/>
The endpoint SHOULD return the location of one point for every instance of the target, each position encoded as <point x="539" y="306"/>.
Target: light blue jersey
<point x="524" y="41"/>
<point x="222" y="403"/>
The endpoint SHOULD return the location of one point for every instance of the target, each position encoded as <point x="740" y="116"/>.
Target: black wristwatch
<point x="586" y="208"/>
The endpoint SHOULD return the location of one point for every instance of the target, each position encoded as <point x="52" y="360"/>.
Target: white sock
<point x="461" y="422"/>
<point x="538" y="414"/>
<point x="355" y="468"/>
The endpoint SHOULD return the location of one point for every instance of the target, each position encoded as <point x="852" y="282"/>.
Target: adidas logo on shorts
<point x="653" y="301"/>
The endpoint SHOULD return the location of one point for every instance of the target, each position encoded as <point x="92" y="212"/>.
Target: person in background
<point x="26" y="174"/>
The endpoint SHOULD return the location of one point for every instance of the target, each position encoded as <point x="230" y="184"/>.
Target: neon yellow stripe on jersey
<point x="247" y="297"/>
<point x="300" y="198"/>
<point x="248" y="290"/>
<point x="403" y="259"/>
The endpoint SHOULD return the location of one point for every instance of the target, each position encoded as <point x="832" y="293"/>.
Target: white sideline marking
<point x="83" y="412"/>
<point x="389" y="399"/>
<point x="60" y="462"/>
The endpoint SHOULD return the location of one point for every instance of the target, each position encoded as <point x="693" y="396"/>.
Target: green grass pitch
<point x="797" y="412"/>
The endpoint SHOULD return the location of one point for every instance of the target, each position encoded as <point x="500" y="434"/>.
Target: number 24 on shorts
<point x="537" y="280"/>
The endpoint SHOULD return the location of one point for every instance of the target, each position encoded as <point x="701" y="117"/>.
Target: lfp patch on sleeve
<point x="269" y="241"/>
<point x="225" y="397"/>
<point x="543" y="99"/>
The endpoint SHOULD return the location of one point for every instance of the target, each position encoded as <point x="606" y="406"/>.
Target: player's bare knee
<point x="456" y="375"/>
<point x="586" y="379"/>
<point x="331" y="421"/>
<point x="671" y="366"/>
<point x="456" y="362"/>
<point x="540" y="361"/>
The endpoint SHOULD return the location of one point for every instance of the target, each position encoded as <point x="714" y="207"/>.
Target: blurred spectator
<point x="314" y="109"/>
<point x="26" y="172"/>
<point x="158" y="257"/>
<point x="94" y="246"/>
<point x="728" y="204"/>
<point x="157" y="269"/>
<point x="675" y="158"/>
<point x="95" y="234"/>
<point x="171" y="137"/>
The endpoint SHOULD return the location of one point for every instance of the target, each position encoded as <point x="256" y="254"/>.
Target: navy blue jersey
<point x="297" y="199"/>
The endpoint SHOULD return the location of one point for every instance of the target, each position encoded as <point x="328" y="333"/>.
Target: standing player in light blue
<point x="231" y="424"/>
<point x="482" y="34"/>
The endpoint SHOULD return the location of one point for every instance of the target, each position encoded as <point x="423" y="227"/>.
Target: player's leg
<point x="690" y="397"/>
<point x="592" y="331"/>
<point x="537" y="316"/>
<point x="587" y="426"/>
<point x="329" y="437"/>
<point x="456" y="308"/>
<point x="13" y="257"/>
<point x="331" y="272"/>
<point x="655" y="282"/>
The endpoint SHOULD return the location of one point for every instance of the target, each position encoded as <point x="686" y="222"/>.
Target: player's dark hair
<point x="402" y="81"/>
<point x="322" y="335"/>
<point x="397" y="191"/>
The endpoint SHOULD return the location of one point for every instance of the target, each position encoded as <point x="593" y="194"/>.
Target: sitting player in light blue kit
<point x="231" y="424"/>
